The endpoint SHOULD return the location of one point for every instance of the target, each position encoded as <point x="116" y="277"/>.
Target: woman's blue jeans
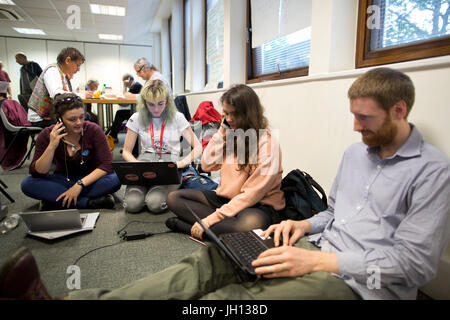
<point x="50" y="187"/>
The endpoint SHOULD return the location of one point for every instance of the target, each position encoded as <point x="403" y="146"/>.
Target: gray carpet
<point x="109" y="267"/>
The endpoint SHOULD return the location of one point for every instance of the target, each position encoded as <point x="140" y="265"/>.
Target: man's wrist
<point x="325" y="261"/>
<point x="306" y="226"/>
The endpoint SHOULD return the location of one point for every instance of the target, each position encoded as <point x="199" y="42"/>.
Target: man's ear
<point x="399" y="110"/>
<point x="67" y="60"/>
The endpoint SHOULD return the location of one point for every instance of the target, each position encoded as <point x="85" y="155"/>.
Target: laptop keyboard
<point x="245" y="244"/>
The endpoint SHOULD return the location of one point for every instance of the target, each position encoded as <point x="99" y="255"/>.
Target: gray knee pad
<point x="134" y="199"/>
<point x="156" y="199"/>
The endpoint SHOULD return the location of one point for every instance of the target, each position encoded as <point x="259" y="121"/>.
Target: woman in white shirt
<point x="160" y="128"/>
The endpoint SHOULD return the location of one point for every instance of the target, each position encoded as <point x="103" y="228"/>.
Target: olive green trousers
<point x="209" y="274"/>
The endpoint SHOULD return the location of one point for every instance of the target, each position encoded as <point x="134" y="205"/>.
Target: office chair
<point x="17" y="131"/>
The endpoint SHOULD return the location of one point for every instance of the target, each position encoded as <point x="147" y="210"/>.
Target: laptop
<point x="52" y="220"/>
<point x="240" y="247"/>
<point x="58" y="223"/>
<point x="147" y="173"/>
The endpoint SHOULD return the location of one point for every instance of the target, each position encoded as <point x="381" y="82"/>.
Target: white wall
<point x="177" y="47"/>
<point x="103" y="64"/>
<point x="128" y="55"/>
<point x="3" y="55"/>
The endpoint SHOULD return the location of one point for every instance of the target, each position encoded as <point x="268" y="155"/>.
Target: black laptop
<point x="240" y="247"/>
<point x="147" y="173"/>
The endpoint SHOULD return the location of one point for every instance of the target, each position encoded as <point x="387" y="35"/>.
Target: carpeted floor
<point x="114" y="262"/>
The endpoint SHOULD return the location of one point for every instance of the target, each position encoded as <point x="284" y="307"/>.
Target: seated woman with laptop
<point x="248" y="156"/>
<point x="83" y="176"/>
<point x="160" y="128"/>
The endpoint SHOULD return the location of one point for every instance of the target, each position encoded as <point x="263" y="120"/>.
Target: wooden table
<point x="102" y="102"/>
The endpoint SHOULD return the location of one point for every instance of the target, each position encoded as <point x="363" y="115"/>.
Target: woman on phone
<point x="160" y="128"/>
<point x="83" y="176"/>
<point x="249" y="159"/>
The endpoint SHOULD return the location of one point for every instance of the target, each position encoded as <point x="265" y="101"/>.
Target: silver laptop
<point x="53" y="220"/>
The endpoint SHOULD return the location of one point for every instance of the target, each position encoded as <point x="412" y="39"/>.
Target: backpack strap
<point x="316" y="186"/>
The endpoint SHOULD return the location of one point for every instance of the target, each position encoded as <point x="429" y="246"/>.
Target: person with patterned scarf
<point x="54" y="80"/>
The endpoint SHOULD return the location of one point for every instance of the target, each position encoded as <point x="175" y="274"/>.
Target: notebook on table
<point x="240" y="247"/>
<point x="58" y="223"/>
<point x="147" y="173"/>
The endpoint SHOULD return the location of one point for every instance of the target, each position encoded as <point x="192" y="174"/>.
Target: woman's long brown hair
<point x="248" y="114"/>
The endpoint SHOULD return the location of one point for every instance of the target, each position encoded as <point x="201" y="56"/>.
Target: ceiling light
<point x="29" y="31"/>
<point x="108" y="10"/>
<point x="9" y="2"/>
<point x="110" y="37"/>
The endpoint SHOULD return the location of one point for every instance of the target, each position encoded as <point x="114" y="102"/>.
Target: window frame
<point x="250" y="60"/>
<point x="407" y="52"/>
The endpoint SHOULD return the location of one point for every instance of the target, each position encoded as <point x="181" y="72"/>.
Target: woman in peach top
<point x="248" y="156"/>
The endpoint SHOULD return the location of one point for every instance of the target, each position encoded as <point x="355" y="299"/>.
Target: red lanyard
<point x="153" y="138"/>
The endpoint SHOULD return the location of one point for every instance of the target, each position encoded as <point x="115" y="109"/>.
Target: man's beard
<point x="383" y="137"/>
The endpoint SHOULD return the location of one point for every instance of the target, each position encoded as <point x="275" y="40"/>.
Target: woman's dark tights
<point x="247" y="219"/>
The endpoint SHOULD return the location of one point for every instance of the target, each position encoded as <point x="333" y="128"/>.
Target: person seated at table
<point x="249" y="195"/>
<point x="130" y="89"/>
<point x="159" y="126"/>
<point x="83" y="176"/>
<point x="90" y="88"/>
<point x="54" y="79"/>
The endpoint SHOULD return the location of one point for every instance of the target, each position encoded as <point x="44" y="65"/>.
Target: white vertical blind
<point x="273" y="19"/>
<point x="295" y="15"/>
<point x="264" y="21"/>
<point x="214" y="43"/>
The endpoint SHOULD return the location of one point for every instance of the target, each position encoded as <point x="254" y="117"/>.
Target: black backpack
<point x="302" y="201"/>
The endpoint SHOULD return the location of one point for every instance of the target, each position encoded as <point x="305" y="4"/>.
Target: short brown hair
<point x="386" y="86"/>
<point x="63" y="103"/>
<point x="70" y="52"/>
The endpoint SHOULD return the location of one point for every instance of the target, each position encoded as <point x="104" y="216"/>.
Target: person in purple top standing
<point x="83" y="175"/>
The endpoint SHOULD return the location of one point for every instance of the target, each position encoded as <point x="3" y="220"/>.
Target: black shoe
<point x="103" y="202"/>
<point x="178" y="225"/>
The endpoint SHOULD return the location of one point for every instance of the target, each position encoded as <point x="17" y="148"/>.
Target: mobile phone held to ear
<point x="60" y="120"/>
<point x="225" y="123"/>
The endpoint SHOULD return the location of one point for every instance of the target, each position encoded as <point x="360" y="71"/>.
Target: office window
<point x="401" y="30"/>
<point x="279" y="39"/>
<point x="214" y="43"/>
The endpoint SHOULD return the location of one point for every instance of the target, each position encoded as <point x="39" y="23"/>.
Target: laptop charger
<point x="136" y="235"/>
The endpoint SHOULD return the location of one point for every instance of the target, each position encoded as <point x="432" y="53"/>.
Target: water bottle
<point x="104" y="89"/>
<point x="9" y="223"/>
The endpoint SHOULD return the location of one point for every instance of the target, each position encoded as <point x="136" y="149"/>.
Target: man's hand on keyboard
<point x="290" y="230"/>
<point x="288" y="261"/>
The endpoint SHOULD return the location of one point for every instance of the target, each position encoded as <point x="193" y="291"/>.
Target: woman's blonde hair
<point x="154" y="91"/>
